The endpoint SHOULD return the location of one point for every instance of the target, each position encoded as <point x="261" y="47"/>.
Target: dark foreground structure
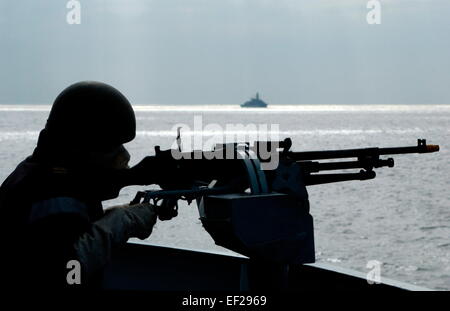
<point x="140" y="266"/>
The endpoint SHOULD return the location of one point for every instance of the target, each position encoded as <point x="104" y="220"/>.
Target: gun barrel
<point x="421" y="147"/>
<point x="416" y="149"/>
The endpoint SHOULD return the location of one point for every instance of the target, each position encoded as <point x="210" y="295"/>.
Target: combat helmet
<point x="91" y="115"/>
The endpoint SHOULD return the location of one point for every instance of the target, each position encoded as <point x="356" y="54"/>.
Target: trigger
<point x="137" y="199"/>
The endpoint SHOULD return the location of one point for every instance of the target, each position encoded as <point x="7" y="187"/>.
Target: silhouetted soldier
<point x="51" y="206"/>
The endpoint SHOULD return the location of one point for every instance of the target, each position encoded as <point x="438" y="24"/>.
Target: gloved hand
<point x="119" y="223"/>
<point x="130" y="221"/>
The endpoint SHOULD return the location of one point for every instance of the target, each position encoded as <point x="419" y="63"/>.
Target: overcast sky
<point x="221" y="52"/>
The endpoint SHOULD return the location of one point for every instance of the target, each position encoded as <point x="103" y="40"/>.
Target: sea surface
<point x="401" y="218"/>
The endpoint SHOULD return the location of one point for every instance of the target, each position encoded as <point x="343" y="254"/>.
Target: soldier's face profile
<point x="116" y="159"/>
<point x="121" y="159"/>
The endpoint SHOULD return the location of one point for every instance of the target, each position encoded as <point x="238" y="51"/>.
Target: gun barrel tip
<point x="432" y="148"/>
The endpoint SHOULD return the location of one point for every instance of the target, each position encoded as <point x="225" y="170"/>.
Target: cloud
<point x="222" y="51"/>
<point x="128" y="9"/>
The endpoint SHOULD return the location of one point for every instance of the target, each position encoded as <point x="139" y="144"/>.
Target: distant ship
<point x="254" y="103"/>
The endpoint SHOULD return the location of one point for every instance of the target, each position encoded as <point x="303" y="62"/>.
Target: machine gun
<point x="259" y="210"/>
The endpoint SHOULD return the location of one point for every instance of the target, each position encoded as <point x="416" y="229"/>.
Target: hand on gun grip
<point x="167" y="209"/>
<point x="137" y="219"/>
<point x="144" y="215"/>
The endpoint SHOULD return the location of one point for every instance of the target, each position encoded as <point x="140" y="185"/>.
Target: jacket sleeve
<point x="93" y="248"/>
<point x="62" y="232"/>
<point x="52" y="232"/>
